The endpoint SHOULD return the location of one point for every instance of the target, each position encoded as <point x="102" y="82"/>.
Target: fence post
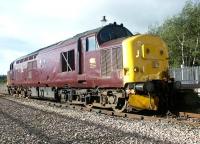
<point x="182" y="66"/>
<point x="196" y="75"/>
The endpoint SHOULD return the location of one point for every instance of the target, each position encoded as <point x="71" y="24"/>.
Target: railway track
<point x="181" y="117"/>
<point x="189" y="115"/>
<point x="162" y="128"/>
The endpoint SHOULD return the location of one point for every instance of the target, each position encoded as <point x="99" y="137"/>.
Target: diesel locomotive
<point x="107" y="67"/>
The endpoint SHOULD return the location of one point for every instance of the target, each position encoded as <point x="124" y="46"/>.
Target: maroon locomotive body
<point x="75" y="62"/>
<point x="107" y="67"/>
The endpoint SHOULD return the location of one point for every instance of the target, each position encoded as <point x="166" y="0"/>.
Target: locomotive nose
<point x="145" y="58"/>
<point x="145" y="62"/>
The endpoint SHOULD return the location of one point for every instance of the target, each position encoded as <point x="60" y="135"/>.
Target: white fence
<point x="189" y="76"/>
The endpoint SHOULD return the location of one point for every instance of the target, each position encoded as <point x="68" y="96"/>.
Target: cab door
<point x="88" y="58"/>
<point x="92" y="57"/>
<point x="81" y="55"/>
<point x="81" y="60"/>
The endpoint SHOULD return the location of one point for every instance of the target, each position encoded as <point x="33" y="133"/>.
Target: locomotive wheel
<point x="89" y="106"/>
<point x="29" y="93"/>
<point x="120" y="105"/>
<point x="57" y="96"/>
<point x="23" y="93"/>
<point x="88" y="102"/>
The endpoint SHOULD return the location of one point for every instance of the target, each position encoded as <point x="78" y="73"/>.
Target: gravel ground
<point x="29" y="121"/>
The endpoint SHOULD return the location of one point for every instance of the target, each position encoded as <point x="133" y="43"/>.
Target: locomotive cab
<point x="112" y="32"/>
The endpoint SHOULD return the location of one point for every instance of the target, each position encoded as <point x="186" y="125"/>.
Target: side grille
<point x="111" y="60"/>
<point x="105" y="62"/>
<point x="117" y="58"/>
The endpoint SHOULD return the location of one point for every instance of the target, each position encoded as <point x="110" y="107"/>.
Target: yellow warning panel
<point x="143" y="102"/>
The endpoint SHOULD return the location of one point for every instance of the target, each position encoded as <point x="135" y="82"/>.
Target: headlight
<point x="155" y="64"/>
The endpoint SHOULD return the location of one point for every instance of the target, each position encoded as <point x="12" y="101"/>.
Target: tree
<point x="3" y="78"/>
<point x="181" y="33"/>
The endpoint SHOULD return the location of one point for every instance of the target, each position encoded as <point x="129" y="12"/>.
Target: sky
<point x="27" y="25"/>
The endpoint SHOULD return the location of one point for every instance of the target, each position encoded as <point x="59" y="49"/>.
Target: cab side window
<point x="11" y="66"/>
<point x="91" y="44"/>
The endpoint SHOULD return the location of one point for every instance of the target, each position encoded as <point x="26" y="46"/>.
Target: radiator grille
<point x="117" y="58"/>
<point x="111" y="60"/>
<point x="105" y="62"/>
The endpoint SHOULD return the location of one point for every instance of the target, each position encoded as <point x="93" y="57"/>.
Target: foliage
<point x="182" y="35"/>
<point x="3" y="78"/>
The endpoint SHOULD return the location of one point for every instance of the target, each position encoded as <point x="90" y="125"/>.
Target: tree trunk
<point x="195" y="49"/>
<point x="182" y="47"/>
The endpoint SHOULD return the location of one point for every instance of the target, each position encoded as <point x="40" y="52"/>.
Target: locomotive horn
<point x="104" y="20"/>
